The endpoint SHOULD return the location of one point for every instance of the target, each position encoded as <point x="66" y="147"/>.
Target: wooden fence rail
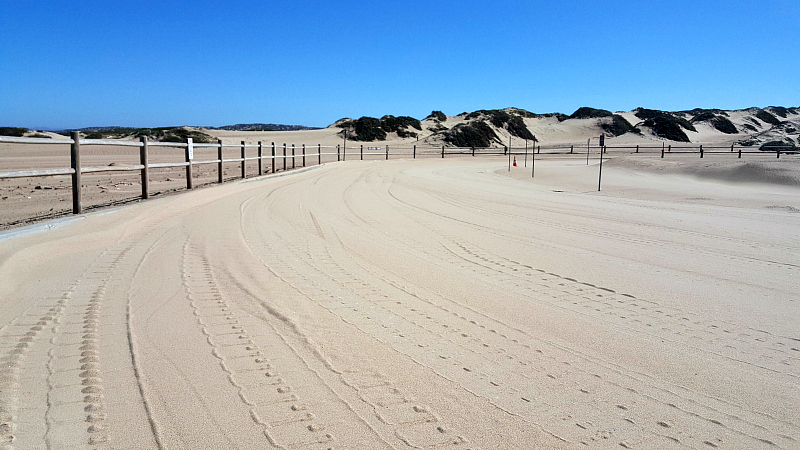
<point x="76" y="169"/>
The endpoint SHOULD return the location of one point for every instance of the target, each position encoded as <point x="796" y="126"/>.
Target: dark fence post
<point x="304" y="155"/>
<point x="637" y="148"/>
<point x="669" y="149"/>
<point x="145" y="169"/>
<point x="273" y="157"/>
<point x="740" y="153"/>
<point x="387" y="152"/>
<point x="443" y="152"/>
<point x="188" y="165"/>
<point x="662" y="152"/>
<point x="75" y="162"/>
<point x="260" y="154"/>
<point x="293" y="157"/>
<point x="319" y="154"/>
<point x="731" y="148"/>
<point x="539" y="149"/>
<point x="284" y="156"/>
<point x="415" y="151"/>
<point x="219" y="163"/>
<point x="701" y="150"/>
<point x="244" y="173"/>
<point x="338" y="153"/>
<point x="571" y="147"/>
<point x="473" y="150"/>
<point x="779" y="153"/>
<point x="362" y="152"/>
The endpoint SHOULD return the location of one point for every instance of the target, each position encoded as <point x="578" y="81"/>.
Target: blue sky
<point x="69" y="64"/>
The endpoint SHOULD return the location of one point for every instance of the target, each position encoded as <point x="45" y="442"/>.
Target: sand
<point x="413" y="304"/>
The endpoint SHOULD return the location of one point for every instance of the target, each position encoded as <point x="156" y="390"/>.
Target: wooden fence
<point x="284" y="154"/>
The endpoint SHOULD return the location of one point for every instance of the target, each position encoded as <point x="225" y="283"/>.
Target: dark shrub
<point x="94" y="135"/>
<point x="664" y="117"/>
<point x="40" y="135"/>
<point x="12" y="131"/>
<point x="779" y="111"/>
<point x="437" y="115"/>
<point x="617" y="126"/>
<point x="392" y="123"/>
<point x="775" y="145"/>
<point x="663" y="127"/>
<point x="747" y="126"/>
<point x="765" y="116"/>
<point x="590" y="113"/>
<point x="501" y="119"/>
<point x="475" y="134"/>
<point x="718" y="122"/>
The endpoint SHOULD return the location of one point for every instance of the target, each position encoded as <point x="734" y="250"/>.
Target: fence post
<point x="145" y="169"/>
<point x="443" y="152"/>
<point x="387" y="152"/>
<point x="244" y="174"/>
<point x="637" y="148"/>
<point x="731" y="148"/>
<point x="259" y="158"/>
<point x="539" y="149"/>
<point x="662" y="152"/>
<point x="779" y="153"/>
<point x="284" y="156"/>
<point x="293" y="157"/>
<point x="571" y="147"/>
<point x="75" y="160"/>
<point x="344" y="150"/>
<point x="304" y="155"/>
<point x="338" y="153"/>
<point x="273" y="157"/>
<point x="319" y="154"/>
<point x="219" y="164"/>
<point x="701" y="150"/>
<point x="669" y="149"/>
<point x="362" y="152"/>
<point x="188" y="166"/>
<point x="415" y="151"/>
<point x="740" y="153"/>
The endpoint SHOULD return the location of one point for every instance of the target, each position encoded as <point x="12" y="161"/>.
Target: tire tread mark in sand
<point x="287" y="422"/>
<point x="51" y="321"/>
<point x="641" y="315"/>
<point x="77" y="382"/>
<point x="599" y="288"/>
<point x="410" y="421"/>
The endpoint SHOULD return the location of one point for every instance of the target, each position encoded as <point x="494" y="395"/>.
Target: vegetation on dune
<point x="13" y="131"/>
<point x="369" y="129"/>
<point x="779" y="111"/>
<point x="163" y="134"/>
<point x="666" y="128"/>
<point x="665" y="124"/>
<point x="747" y="126"/>
<point x="698" y="111"/>
<point x="774" y="145"/>
<point x="437" y="128"/>
<point x="617" y="125"/>
<point x="765" y="116"/>
<point x="437" y="115"/>
<point x="718" y="122"/>
<point x="590" y="113"/>
<point x="501" y="119"/>
<point x="473" y="134"/>
<point x="40" y="135"/>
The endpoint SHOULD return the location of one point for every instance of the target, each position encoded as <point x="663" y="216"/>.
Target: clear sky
<point x="70" y="64"/>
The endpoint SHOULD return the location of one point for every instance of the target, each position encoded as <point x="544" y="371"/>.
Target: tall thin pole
<point x="600" y="176"/>
<point x="344" y="147"/>
<point x="284" y="156"/>
<point x="273" y="157"/>
<point x="533" y="161"/>
<point x="293" y="157"/>
<point x="219" y="161"/>
<point x="145" y="167"/>
<point x="75" y="160"/>
<point x="260" y="155"/>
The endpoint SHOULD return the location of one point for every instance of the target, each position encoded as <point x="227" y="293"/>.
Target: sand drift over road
<point x="411" y="304"/>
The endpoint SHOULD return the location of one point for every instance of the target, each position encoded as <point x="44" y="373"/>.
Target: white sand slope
<point x="411" y="304"/>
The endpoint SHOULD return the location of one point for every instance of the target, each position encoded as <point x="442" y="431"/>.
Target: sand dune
<point x="411" y="304"/>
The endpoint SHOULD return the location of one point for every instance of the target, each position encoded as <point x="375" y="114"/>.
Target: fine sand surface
<point x="412" y="304"/>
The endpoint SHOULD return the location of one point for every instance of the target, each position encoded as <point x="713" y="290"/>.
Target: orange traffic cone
<point x="515" y="161"/>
